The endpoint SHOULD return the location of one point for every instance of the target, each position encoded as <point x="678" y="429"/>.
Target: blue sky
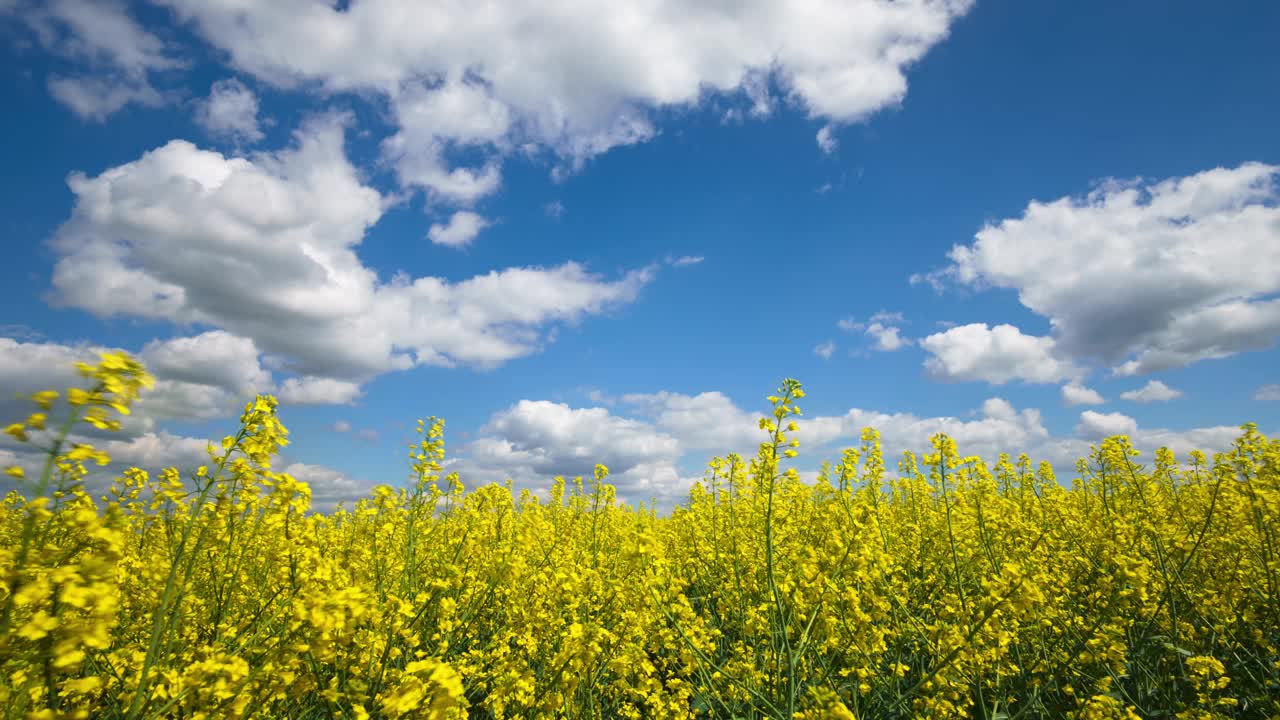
<point x="583" y="239"/>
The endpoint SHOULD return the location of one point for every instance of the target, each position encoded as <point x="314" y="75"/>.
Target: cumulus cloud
<point x="1074" y="393"/>
<point x="96" y="98"/>
<point x="827" y="142"/>
<point x="328" y="485"/>
<point x="996" y="355"/>
<point x="490" y="77"/>
<point x="1143" y="276"/>
<point x="158" y="450"/>
<point x="825" y="350"/>
<point x="535" y="440"/>
<point x="215" y="358"/>
<point x="645" y="439"/>
<point x="462" y="228"/>
<point x="1154" y="391"/>
<point x="311" y="390"/>
<point x="881" y="327"/>
<point x="706" y="421"/>
<point x="31" y="367"/>
<point x="264" y="248"/>
<point x="197" y="379"/>
<point x="1267" y="392"/>
<point x="230" y="111"/>
<point x="118" y="54"/>
<point x="888" y="338"/>
<point x="1096" y="426"/>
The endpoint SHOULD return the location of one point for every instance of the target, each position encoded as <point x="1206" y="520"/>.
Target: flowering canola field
<point x="951" y="588"/>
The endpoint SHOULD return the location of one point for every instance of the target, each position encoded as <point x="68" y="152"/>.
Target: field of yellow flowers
<point x="949" y="589"/>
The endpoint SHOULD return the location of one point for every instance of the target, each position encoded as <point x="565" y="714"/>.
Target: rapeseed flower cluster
<point x="953" y="588"/>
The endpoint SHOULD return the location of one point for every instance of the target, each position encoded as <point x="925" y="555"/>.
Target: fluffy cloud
<point x="328" y="486"/>
<point x="996" y="355"/>
<point x="707" y="421"/>
<point x="881" y="327"/>
<point x="311" y="390"/>
<point x="1096" y="426"/>
<point x="230" y="111"/>
<point x="157" y="450"/>
<point x="827" y="142"/>
<point x="1076" y="394"/>
<point x="1143" y="276"/>
<point x="215" y="358"/>
<point x="31" y="367"/>
<point x="491" y="76"/>
<point x="1267" y="392"/>
<point x="462" y="228"/>
<point x="998" y="427"/>
<point x="120" y="55"/>
<point x="825" y="350"/>
<point x="1154" y="391"/>
<point x="265" y="249"/>
<point x="198" y="378"/>
<point x="535" y="440"/>
<point x="189" y="385"/>
<point x="96" y="98"/>
<point x="888" y="338"/>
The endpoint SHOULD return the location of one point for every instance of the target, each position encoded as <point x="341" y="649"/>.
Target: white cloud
<point x="190" y="385"/>
<point x="462" y="228"/>
<point x="711" y="421"/>
<point x="95" y="98"/>
<point x="429" y="120"/>
<point x="826" y="141"/>
<point x="311" y="390"/>
<point x="1074" y="393"/>
<point x="178" y="400"/>
<point x="996" y="355"/>
<point x="535" y="440"/>
<point x="119" y="54"/>
<point x="999" y="427"/>
<point x="341" y="426"/>
<point x="707" y="421"/>
<point x="887" y="338"/>
<point x="1154" y="391"/>
<point x="264" y="248"/>
<point x="825" y="350"/>
<point x="1143" y="276"/>
<point x="684" y="260"/>
<point x="884" y="316"/>
<point x="155" y="450"/>
<point x="230" y="111"/>
<point x="328" y="486"/>
<point x="493" y="77"/>
<point x="1267" y="392"/>
<point x="1096" y="426"/>
<point x="215" y="358"/>
<point x="881" y="327"/>
<point x="554" y="209"/>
